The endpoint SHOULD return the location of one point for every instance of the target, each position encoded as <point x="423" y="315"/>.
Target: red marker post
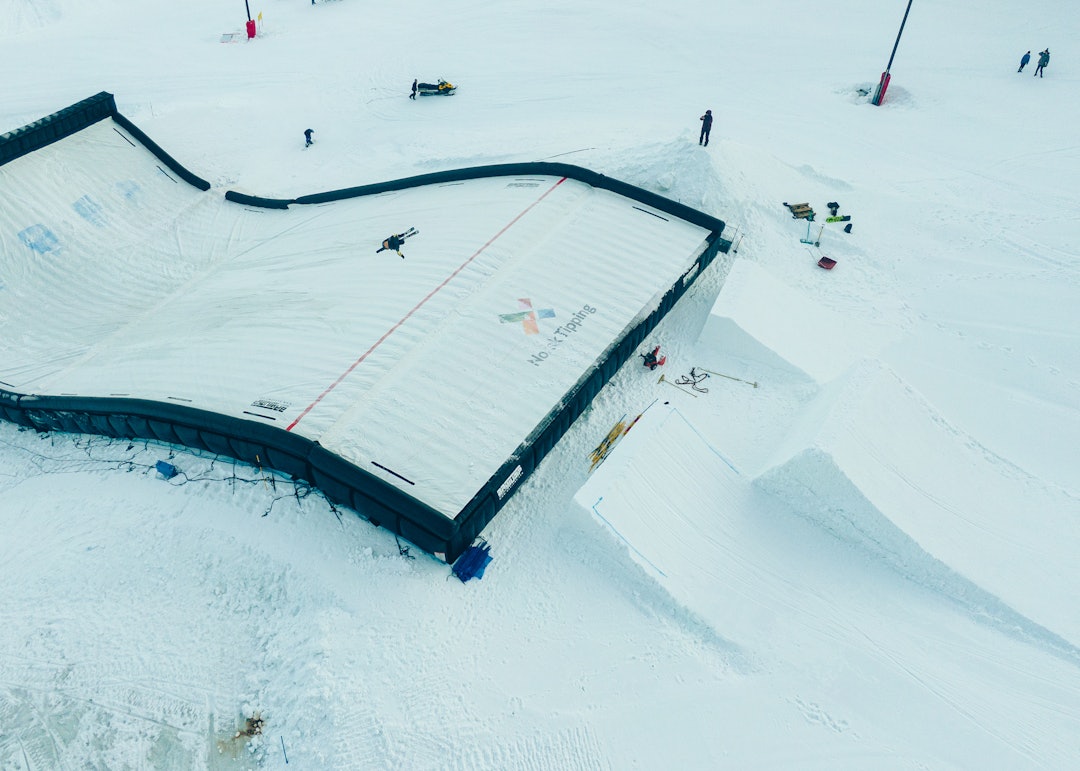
<point x="883" y="84"/>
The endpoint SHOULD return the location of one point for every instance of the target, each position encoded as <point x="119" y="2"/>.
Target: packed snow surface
<point x="852" y="545"/>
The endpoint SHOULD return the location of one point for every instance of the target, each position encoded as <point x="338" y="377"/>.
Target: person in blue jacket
<point x="1024" y="60"/>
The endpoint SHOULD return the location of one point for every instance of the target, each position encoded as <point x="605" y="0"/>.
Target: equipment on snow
<point x="601" y="451"/>
<point x="826" y="262"/>
<point x="473" y="561"/>
<point x="845" y="218"/>
<point x="653" y="359"/>
<point x="847" y="228"/>
<point x="729" y="377"/>
<point x="694" y="380"/>
<point x="815" y="242"/>
<point x="673" y="385"/>
<point x="800" y="211"/>
<point x="442" y="88"/>
<point x="614" y="436"/>
<point x="167" y="470"/>
<point x="834" y="207"/>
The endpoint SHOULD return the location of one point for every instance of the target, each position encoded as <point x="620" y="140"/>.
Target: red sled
<point x="652" y="359"/>
<point x="826" y="262"/>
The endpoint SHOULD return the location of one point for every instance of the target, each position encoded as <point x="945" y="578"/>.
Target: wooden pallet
<point x="800" y="211"/>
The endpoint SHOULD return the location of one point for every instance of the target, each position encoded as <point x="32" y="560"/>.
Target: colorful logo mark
<point x="527" y="316"/>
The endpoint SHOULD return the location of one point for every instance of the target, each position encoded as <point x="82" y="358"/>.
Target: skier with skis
<point x="1044" y="59"/>
<point x="706" y="127"/>
<point x="1024" y="60"/>
<point x="395" y="242"/>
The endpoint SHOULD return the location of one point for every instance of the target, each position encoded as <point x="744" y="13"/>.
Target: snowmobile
<point x="442" y="88"/>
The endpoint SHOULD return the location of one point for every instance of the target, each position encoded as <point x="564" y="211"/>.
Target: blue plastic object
<point x="167" y="470"/>
<point x="473" y="561"/>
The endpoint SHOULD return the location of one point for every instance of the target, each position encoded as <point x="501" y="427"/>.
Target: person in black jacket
<point x="393" y="243"/>
<point x="1044" y="59"/>
<point x="706" y="127"/>
<point x="1024" y="60"/>
<point x="413" y="94"/>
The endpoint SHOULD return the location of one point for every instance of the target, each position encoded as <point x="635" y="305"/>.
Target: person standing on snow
<point x="706" y="127"/>
<point x="308" y="141"/>
<point x="413" y="94"/>
<point x="1044" y="59"/>
<point x="1024" y="60"/>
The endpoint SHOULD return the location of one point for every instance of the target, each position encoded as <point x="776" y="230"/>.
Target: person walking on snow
<point x="706" y="127"/>
<point x="413" y="94"/>
<point x="308" y="141"/>
<point x="1024" y="60"/>
<point x="1044" y="59"/>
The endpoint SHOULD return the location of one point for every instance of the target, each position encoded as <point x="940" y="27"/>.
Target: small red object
<point x="826" y="262"/>
<point x="251" y="28"/>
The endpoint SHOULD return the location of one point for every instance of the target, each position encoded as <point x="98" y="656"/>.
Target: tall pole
<point x="895" y="45"/>
<point x="248" y="9"/>
<point x="883" y="84"/>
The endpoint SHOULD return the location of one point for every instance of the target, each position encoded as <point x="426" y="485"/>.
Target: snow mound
<point x="757" y="317"/>
<point x="668" y="498"/>
<point x="866" y="462"/>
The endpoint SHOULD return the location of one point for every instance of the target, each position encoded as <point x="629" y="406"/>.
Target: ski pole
<point x="661" y="380"/>
<point x="729" y="377"/>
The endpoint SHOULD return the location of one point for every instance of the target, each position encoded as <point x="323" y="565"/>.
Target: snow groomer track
<point x="136" y="302"/>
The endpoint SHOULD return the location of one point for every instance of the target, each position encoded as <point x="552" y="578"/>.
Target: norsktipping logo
<point x="527" y="316"/>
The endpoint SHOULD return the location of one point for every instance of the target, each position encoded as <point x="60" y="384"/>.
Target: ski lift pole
<point x="879" y="95"/>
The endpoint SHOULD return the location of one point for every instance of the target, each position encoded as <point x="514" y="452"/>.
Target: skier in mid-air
<point x="395" y="242"/>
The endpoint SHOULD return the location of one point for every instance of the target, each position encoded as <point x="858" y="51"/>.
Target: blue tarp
<point x="473" y="561"/>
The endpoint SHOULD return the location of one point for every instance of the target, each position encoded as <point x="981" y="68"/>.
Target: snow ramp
<point x="877" y="466"/>
<point x="419" y="388"/>
<point x="672" y="501"/>
<point x="759" y="318"/>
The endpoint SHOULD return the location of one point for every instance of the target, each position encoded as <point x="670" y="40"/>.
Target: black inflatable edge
<point x="253" y="200"/>
<point x="70" y="120"/>
<point x="164" y="157"/>
<point x="254" y="443"/>
<point x="533" y="168"/>
<point x="52" y="128"/>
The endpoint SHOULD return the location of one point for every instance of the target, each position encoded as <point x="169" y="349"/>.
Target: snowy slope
<point x="866" y="559"/>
